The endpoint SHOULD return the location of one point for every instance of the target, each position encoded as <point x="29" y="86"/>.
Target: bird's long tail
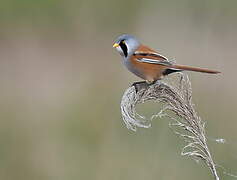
<point x="188" y="68"/>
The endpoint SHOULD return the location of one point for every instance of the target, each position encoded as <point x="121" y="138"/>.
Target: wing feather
<point x="152" y="58"/>
<point x="154" y="61"/>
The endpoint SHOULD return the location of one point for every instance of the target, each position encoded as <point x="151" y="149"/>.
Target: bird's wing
<point x="154" y="61"/>
<point x="152" y="58"/>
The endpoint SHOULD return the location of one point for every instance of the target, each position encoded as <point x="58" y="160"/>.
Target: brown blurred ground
<point x="61" y="84"/>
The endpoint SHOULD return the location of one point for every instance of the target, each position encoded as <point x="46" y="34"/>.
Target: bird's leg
<point x="139" y="82"/>
<point x="143" y="84"/>
<point x="140" y="85"/>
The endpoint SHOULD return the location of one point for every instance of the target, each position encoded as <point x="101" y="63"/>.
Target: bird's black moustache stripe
<point x="124" y="48"/>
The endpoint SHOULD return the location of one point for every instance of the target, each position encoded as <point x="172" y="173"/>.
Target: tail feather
<point x="188" y="68"/>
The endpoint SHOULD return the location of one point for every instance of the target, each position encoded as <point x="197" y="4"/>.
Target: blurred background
<point x="61" y="85"/>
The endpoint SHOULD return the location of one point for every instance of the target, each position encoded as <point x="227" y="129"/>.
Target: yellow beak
<point x="116" y="45"/>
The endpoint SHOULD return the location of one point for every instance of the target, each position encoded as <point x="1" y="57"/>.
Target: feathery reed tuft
<point x="178" y="107"/>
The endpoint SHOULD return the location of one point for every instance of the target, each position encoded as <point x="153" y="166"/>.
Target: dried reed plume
<point x="176" y="96"/>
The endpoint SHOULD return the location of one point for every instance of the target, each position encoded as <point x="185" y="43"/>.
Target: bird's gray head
<point x="126" y="45"/>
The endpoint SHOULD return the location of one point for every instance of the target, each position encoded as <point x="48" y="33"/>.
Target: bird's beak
<point x="116" y="45"/>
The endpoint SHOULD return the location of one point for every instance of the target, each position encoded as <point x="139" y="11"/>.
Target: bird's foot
<point x="142" y="85"/>
<point x="150" y="82"/>
<point x="139" y="85"/>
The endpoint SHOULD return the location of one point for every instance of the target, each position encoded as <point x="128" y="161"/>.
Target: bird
<point x="147" y="63"/>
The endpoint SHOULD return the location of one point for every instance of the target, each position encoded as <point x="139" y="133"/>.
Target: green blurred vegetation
<point x="61" y="85"/>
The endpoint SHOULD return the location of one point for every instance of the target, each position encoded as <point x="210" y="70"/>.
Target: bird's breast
<point x="134" y="69"/>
